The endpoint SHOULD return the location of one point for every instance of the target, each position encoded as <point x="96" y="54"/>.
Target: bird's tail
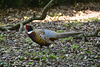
<point x="67" y="34"/>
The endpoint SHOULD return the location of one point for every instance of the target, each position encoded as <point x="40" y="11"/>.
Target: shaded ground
<point x="21" y="51"/>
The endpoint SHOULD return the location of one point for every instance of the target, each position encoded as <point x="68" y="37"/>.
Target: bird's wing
<point x="47" y="35"/>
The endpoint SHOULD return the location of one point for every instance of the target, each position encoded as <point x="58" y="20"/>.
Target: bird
<point x="45" y="37"/>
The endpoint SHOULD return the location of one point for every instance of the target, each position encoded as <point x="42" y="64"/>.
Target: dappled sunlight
<point x="64" y="13"/>
<point x="18" y="50"/>
<point x="81" y="16"/>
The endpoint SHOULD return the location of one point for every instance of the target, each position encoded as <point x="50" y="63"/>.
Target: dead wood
<point x="41" y="17"/>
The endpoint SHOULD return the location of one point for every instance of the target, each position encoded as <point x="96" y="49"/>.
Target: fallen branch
<point x="20" y="29"/>
<point x="41" y="17"/>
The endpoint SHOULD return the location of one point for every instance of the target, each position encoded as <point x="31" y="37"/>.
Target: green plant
<point x="63" y="50"/>
<point x="75" y="23"/>
<point x="44" y="58"/>
<point x="88" y="52"/>
<point x="41" y="54"/>
<point x="29" y="40"/>
<point x="2" y="37"/>
<point x="53" y="56"/>
<point x="66" y="25"/>
<point x="6" y="64"/>
<point x="36" y="53"/>
<point x="1" y="63"/>
<point x="27" y="53"/>
<point x="46" y="51"/>
<point x="22" y="58"/>
<point x="31" y="63"/>
<point x="92" y="19"/>
<point x="75" y="46"/>
<point x="71" y="27"/>
<point x="96" y="19"/>
<point x="36" y="58"/>
<point x="9" y="52"/>
<point x="40" y="63"/>
<point x="82" y="49"/>
<point x="92" y="53"/>
<point x="68" y="38"/>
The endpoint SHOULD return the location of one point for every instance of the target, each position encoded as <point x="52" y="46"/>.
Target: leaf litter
<point x="21" y="51"/>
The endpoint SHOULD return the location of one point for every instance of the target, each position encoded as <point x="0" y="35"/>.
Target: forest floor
<point x="20" y="51"/>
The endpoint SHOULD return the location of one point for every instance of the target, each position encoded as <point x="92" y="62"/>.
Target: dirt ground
<point x="21" y="51"/>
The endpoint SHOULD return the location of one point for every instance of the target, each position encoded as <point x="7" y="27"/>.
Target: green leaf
<point x="44" y="58"/>
<point x="36" y="58"/>
<point x="22" y="57"/>
<point x="41" y="53"/>
<point x="53" y="56"/>
<point x="31" y="63"/>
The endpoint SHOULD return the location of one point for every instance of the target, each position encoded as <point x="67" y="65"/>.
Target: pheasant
<point x="45" y="37"/>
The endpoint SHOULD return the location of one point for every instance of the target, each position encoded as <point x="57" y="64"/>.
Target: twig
<point x="41" y="17"/>
<point x="20" y="29"/>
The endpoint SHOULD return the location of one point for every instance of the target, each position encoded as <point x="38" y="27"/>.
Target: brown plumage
<point x="45" y="37"/>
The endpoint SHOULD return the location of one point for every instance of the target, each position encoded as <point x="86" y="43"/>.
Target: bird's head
<point x="29" y="28"/>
